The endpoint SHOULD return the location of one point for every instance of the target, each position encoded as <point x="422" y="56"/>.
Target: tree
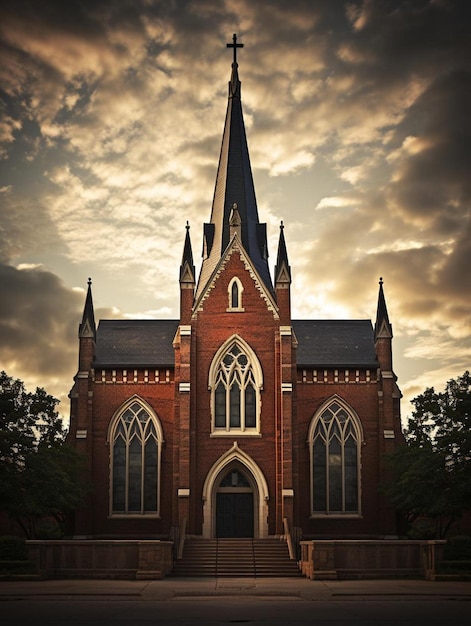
<point x="39" y="472"/>
<point x="431" y="474"/>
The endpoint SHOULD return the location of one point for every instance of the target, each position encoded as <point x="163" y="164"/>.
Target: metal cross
<point x="235" y="45"/>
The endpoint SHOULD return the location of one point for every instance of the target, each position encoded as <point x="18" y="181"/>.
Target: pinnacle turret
<point x="282" y="267"/>
<point x="87" y="327"/>
<point x="187" y="268"/>
<point x="383" y="328"/>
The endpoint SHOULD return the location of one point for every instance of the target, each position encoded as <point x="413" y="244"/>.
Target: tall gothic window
<point x="135" y="444"/>
<point x="334" y="439"/>
<point x="235" y="381"/>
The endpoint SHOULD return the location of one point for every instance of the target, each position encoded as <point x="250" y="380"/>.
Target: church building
<point x="235" y="420"/>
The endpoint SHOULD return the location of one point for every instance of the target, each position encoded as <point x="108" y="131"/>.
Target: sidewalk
<point x="172" y="588"/>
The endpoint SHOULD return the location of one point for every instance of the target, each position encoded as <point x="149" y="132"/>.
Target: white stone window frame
<point x="257" y="375"/>
<point x="111" y="436"/>
<point x="240" y="289"/>
<point x="354" y="419"/>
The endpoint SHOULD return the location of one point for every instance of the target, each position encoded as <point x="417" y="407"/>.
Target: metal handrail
<point x="289" y="538"/>
<point x="181" y="538"/>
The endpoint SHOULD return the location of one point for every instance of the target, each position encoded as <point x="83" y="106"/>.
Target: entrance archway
<point x="234" y="505"/>
<point x="235" y="497"/>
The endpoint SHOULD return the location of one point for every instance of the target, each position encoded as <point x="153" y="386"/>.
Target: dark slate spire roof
<point x="187" y="268"/>
<point x="87" y="327"/>
<point x="234" y="184"/>
<point x="383" y="327"/>
<point x="282" y="268"/>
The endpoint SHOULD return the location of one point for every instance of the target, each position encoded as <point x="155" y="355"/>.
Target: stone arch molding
<point x="245" y="347"/>
<point x="261" y="495"/>
<point x="145" y="405"/>
<point x="345" y="405"/>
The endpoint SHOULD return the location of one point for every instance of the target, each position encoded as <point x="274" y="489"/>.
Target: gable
<point x="235" y="247"/>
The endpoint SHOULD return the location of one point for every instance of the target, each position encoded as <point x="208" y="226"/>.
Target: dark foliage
<point x="431" y="473"/>
<point x="39" y="472"/>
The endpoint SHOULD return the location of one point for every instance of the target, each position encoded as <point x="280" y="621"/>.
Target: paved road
<point x="211" y="602"/>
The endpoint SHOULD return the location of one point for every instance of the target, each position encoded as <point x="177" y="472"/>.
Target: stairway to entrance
<point x="236" y="558"/>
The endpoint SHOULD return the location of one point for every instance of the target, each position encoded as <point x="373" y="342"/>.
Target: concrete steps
<point x="236" y="558"/>
<point x="199" y="559"/>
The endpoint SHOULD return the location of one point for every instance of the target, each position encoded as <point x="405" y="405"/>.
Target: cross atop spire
<point x="234" y="45"/>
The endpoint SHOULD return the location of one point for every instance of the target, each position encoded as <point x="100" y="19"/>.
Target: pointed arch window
<point x="135" y="446"/>
<point x="334" y="444"/>
<point x="234" y="292"/>
<point x="235" y="383"/>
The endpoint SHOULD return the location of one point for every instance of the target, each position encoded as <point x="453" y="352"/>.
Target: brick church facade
<point x="235" y="418"/>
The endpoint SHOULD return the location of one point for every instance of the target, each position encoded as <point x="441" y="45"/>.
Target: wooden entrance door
<point x="234" y="515"/>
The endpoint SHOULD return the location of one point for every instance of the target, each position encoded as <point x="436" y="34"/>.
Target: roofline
<point x="370" y="365"/>
<point x="129" y="365"/>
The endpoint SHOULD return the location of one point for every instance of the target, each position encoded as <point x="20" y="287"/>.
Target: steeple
<point x="383" y="328"/>
<point x="234" y="185"/>
<point x="87" y="327"/>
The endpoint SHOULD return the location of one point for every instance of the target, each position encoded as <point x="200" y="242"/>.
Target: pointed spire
<point x="383" y="327"/>
<point x="187" y="268"/>
<point x="87" y="328"/>
<point x="282" y="267"/>
<point x="234" y="185"/>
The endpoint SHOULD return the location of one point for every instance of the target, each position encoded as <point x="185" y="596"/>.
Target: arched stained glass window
<point x="334" y="448"/>
<point x="135" y="443"/>
<point x="235" y="388"/>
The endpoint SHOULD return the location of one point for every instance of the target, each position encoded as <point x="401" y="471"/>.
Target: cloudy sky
<point x="358" y="122"/>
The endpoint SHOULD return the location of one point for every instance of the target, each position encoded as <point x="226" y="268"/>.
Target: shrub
<point x="48" y="529"/>
<point x="422" y="529"/>
<point x="12" y="548"/>
<point x="458" y="548"/>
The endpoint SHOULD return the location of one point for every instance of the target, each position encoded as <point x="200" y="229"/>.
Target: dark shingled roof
<point x="321" y="343"/>
<point x="343" y="343"/>
<point x="136" y="343"/>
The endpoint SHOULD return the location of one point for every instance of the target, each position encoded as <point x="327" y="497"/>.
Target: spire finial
<point x="234" y="45"/>
<point x="282" y="225"/>
<point x="380" y="280"/>
<point x="89" y="282"/>
<point x="187" y="225"/>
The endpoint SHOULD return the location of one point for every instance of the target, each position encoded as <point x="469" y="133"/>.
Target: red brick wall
<point x="212" y="326"/>
<point x="189" y="451"/>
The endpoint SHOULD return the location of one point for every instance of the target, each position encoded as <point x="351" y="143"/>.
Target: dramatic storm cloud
<point x="357" y="116"/>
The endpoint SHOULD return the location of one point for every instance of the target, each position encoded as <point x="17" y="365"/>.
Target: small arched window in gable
<point x="135" y="446"/>
<point x="334" y="444"/>
<point x="234" y="293"/>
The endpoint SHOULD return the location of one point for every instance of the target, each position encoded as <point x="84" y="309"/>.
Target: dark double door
<point x="234" y="515"/>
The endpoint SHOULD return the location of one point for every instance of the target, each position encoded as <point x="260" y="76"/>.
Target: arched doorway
<point x="234" y="505"/>
<point x="218" y="483"/>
